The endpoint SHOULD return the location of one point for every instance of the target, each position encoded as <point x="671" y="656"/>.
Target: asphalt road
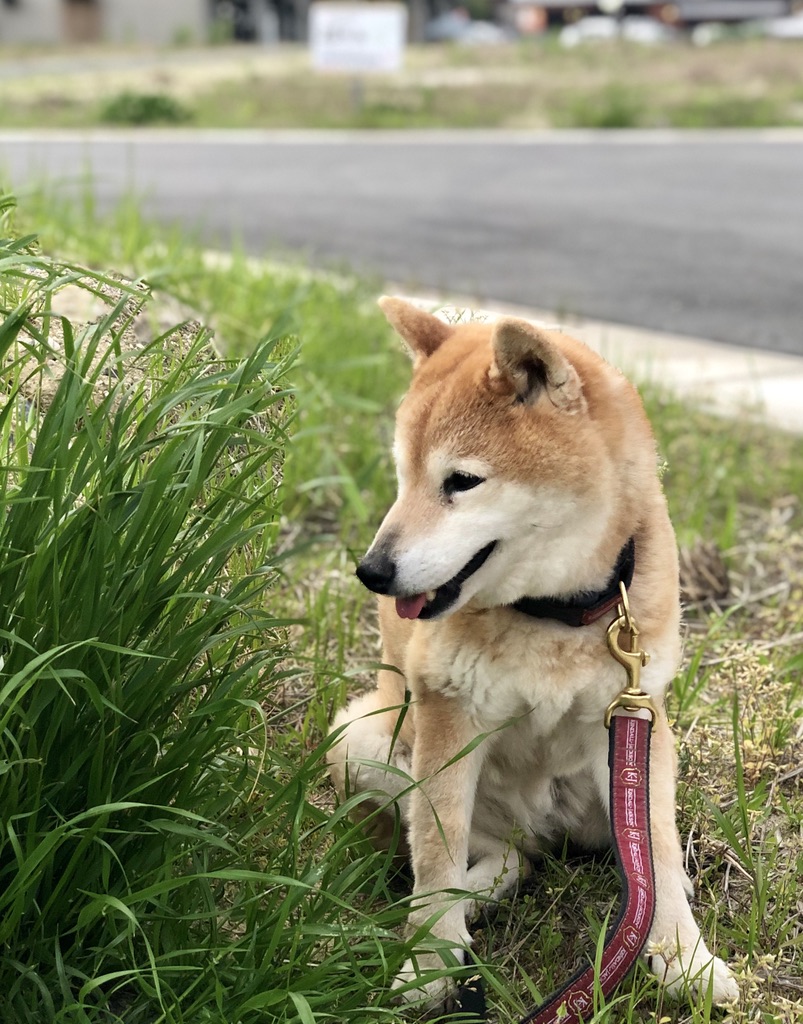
<point x="696" y="235"/>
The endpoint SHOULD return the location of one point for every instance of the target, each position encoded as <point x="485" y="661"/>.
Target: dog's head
<point x="514" y="450"/>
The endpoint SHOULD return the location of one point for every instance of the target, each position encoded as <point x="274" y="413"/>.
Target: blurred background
<point x="680" y="212"/>
<point x="481" y="21"/>
<point x="199" y="204"/>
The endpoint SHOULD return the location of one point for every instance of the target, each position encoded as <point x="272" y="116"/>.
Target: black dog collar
<point x="584" y="608"/>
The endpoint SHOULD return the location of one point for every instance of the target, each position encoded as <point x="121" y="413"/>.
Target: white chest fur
<point x="502" y="665"/>
<point x="537" y="691"/>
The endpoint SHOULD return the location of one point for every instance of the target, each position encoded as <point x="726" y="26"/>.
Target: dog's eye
<point x="455" y="482"/>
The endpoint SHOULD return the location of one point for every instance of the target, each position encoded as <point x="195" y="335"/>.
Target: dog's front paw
<point x="697" y="971"/>
<point x="421" y="983"/>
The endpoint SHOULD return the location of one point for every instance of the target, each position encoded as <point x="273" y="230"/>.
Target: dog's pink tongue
<point x="410" y="607"/>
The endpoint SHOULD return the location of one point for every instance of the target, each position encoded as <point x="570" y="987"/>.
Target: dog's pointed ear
<point x="420" y="331"/>
<point x="529" y="361"/>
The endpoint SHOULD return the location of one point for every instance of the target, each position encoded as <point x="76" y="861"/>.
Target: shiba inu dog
<point x="527" y="488"/>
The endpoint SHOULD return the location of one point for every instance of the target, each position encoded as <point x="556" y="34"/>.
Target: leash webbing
<point x="629" y="765"/>
<point x="629" y="762"/>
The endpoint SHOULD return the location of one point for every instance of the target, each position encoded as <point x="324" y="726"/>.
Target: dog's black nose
<point x="377" y="572"/>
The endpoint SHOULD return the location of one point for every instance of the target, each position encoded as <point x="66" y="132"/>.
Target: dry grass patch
<point x="528" y="85"/>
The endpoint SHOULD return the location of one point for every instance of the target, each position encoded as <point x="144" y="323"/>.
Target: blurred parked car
<point x="589" y="30"/>
<point x="634" y="28"/>
<point x="784" y="28"/>
<point x="457" y="26"/>
<point x="649" y="31"/>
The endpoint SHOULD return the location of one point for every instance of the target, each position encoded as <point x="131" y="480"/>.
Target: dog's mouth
<point x="434" y="603"/>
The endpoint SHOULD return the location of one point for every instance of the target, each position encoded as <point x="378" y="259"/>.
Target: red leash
<point x="629" y="769"/>
<point x="629" y="762"/>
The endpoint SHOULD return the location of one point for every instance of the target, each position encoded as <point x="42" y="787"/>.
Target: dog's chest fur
<point x="501" y="667"/>
<point x="535" y="789"/>
<point x="538" y="692"/>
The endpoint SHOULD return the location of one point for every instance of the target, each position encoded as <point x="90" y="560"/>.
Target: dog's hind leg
<point x="368" y="755"/>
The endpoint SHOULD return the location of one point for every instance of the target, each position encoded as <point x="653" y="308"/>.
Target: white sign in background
<point x="357" y="37"/>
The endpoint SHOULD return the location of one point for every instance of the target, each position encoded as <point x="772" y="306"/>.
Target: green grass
<point x="614" y="106"/>
<point x="156" y="850"/>
<point x="137" y="108"/>
<point x="532" y="84"/>
<point x="179" y="539"/>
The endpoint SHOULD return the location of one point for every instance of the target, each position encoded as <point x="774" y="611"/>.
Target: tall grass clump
<point x="138" y="515"/>
<point x="333" y="462"/>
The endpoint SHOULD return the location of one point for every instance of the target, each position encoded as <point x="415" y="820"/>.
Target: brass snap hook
<point x="632" y="698"/>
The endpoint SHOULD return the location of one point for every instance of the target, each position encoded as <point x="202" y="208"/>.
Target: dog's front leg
<point x="676" y="952"/>
<point x="441" y="809"/>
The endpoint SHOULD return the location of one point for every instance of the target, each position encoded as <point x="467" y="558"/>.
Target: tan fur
<point x="569" y="471"/>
